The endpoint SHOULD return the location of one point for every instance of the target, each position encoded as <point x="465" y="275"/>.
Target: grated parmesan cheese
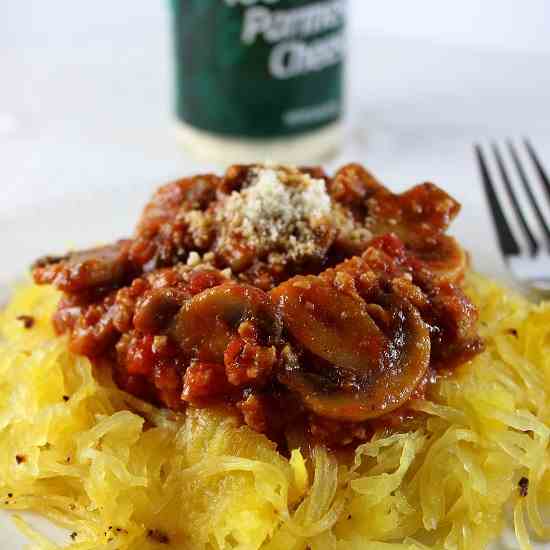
<point x="281" y="208"/>
<point x="193" y="259"/>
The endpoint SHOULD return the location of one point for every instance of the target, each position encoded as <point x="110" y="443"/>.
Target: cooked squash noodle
<point x="118" y="471"/>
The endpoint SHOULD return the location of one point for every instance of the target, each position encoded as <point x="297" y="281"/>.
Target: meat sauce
<point x="309" y="305"/>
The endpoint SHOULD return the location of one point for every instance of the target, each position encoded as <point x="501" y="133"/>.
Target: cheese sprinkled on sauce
<point x="280" y="208"/>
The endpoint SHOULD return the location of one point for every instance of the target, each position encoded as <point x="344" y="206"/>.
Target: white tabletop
<point x="86" y="124"/>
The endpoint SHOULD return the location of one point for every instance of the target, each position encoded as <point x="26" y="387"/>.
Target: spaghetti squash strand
<point x="89" y="456"/>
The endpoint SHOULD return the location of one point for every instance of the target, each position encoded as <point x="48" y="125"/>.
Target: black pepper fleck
<point x="27" y="320"/>
<point x="74" y="534"/>
<point x="10" y="495"/>
<point x="65" y="398"/>
<point x="20" y="459"/>
<point x="523" y="487"/>
<point x="158" y="536"/>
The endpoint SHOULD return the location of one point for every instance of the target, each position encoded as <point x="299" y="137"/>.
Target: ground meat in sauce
<point x="323" y="326"/>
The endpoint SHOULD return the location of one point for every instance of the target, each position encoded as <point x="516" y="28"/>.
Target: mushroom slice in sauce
<point x="206" y="324"/>
<point x="375" y="373"/>
<point x="446" y="260"/>
<point x="105" y="266"/>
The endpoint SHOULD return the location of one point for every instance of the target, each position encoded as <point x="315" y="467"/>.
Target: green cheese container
<point x="259" y="80"/>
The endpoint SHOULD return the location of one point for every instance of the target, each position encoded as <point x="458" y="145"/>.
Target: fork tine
<point x="506" y="239"/>
<point x="538" y="166"/>
<point x="528" y="190"/>
<point x="532" y="242"/>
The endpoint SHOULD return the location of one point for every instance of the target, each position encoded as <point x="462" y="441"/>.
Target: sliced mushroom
<point x="423" y="211"/>
<point x="329" y="323"/>
<point x="444" y="257"/>
<point x="206" y="324"/>
<point x="105" y="266"/>
<point x="372" y="373"/>
<point x="158" y="308"/>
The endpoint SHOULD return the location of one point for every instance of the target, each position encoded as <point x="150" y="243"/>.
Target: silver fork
<point x="529" y="262"/>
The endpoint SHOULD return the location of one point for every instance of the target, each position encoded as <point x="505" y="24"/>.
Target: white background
<point x="86" y="125"/>
<point x="502" y="24"/>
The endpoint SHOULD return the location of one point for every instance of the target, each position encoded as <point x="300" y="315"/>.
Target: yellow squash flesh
<point x="107" y="466"/>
